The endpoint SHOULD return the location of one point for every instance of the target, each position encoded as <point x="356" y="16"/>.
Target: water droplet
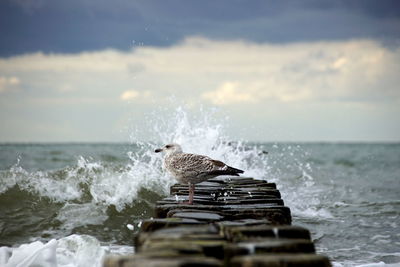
<point x="276" y="232"/>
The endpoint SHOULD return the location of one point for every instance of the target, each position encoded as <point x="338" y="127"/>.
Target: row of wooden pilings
<point x="234" y="221"/>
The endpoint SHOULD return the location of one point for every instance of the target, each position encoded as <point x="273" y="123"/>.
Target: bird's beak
<point x="158" y="150"/>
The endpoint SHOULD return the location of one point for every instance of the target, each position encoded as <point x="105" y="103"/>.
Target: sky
<point x="95" y="71"/>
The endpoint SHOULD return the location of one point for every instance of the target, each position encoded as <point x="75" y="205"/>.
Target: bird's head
<point x="170" y="148"/>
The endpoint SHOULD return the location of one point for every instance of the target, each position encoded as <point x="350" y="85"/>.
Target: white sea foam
<point x="90" y="186"/>
<point x="104" y="185"/>
<point x="93" y="186"/>
<point x="33" y="254"/>
<point x="43" y="183"/>
<point x="79" y="250"/>
<point x="70" y="251"/>
<point x="286" y="165"/>
<point x="203" y="135"/>
<point x="120" y="188"/>
<point x="97" y="185"/>
<point x="71" y="215"/>
<point x="372" y="264"/>
<point x="294" y="175"/>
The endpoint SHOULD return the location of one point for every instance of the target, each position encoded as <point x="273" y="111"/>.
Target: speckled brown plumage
<point x="192" y="168"/>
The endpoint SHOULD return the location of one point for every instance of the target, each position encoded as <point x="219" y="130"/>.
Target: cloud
<point x="29" y="6"/>
<point x="129" y="95"/>
<point x="239" y="76"/>
<point x="8" y="83"/>
<point x="228" y="93"/>
<point x="218" y="72"/>
<point x="89" y="62"/>
<point x="253" y="92"/>
<point x="115" y="24"/>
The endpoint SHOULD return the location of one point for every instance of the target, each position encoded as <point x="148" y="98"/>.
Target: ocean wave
<point x="70" y="251"/>
<point x="107" y="183"/>
<point x="344" y="206"/>
<point x="99" y="184"/>
<point x="95" y="195"/>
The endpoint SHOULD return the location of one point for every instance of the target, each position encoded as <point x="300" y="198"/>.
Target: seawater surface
<point x="88" y="200"/>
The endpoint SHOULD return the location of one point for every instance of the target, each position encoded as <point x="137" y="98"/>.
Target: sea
<point x="71" y="204"/>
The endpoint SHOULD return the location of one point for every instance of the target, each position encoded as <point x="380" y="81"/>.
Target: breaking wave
<point x="104" y="183"/>
<point x="98" y="197"/>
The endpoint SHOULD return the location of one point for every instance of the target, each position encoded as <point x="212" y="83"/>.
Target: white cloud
<point x="236" y="75"/>
<point x="65" y="88"/>
<point x="318" y="71"/>
<point x="254" y="92"/>
<point x="129" y="95"/>
<point x="8" y="83"/>
<point x="229" y="93"/>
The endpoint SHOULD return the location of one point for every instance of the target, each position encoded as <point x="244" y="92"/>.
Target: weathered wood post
<point x="234" y="221"/>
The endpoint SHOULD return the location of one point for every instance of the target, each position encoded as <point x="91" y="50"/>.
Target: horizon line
<point x="156" y="142"/>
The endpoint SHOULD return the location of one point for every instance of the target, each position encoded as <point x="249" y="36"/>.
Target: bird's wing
<point x="186" y="162"/>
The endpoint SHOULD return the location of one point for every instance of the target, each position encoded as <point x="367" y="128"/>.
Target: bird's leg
<point x="191" y="193"/>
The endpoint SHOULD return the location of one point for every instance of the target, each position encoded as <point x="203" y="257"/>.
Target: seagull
<point x="191" y="169"/>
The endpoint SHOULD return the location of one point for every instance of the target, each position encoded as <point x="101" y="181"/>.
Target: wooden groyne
<point x="234" y="221"/>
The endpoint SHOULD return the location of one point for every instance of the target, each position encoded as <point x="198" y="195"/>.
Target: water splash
<point x="57" y="185"/>
<point x="319" y="191"/>
<point x="95" y="185"/>
<point x="200" y="134"/>
<point x="102" y="184"/>
<point x="203" y="134"/>
<point x="296" y="177"/>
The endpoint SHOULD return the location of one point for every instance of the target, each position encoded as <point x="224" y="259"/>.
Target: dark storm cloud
<point x="74" y="26"/>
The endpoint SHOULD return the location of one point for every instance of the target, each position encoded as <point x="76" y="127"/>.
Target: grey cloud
<point x="350" y="77"/>
<point x="135" y="68"/>
<point x="75" y="26"/>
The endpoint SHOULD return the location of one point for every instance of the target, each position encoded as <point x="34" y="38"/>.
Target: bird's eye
<point x="168" y="146"/>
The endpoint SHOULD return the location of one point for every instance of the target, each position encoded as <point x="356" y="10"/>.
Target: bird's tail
<point x="234" y="171"/>
<point x="228" y="171"/>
